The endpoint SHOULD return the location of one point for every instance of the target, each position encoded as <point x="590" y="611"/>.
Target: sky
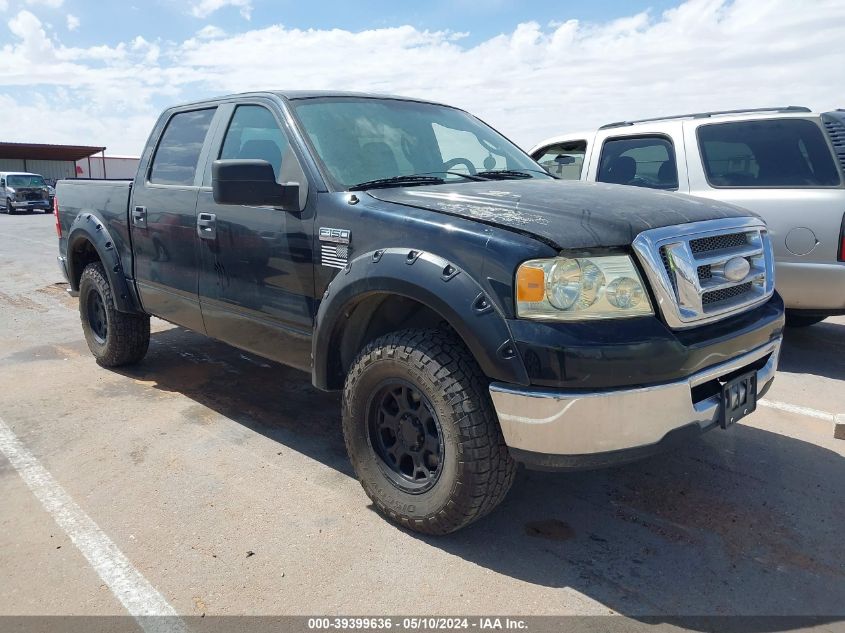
<point x="99" y="73"/>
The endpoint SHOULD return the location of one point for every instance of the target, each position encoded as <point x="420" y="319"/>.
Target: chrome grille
<point x="706" y="271"/>
<point x="718" y="242"/>
<point x="725" y="294"/>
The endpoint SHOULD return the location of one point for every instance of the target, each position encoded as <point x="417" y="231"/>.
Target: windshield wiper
<point x="511" y="174"/>
<point x="397" y="181"/>
<point x="504" y="174"/>
<point x="457" y="173"/>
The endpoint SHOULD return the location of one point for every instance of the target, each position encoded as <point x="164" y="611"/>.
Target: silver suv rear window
<point x="768" y="153"/>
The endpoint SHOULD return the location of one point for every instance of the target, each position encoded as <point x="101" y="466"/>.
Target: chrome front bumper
<point x="544" y="421"/>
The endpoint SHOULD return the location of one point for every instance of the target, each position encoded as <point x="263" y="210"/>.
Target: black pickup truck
<point x="475" y="311"/>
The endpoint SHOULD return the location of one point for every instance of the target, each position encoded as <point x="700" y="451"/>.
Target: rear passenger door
<point x="163" y="218"/>
<point x="256" y="283"/>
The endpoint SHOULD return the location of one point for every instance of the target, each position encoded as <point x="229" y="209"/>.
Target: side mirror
<point x="252" y="183"/>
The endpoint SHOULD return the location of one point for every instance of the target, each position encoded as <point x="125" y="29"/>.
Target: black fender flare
<point x="88" y="227"/>
<point x="432" y="281"/>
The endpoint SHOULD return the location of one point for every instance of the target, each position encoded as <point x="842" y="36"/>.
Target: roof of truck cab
<point x="294" y="95"/>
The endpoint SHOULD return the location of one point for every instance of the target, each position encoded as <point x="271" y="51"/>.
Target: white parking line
<point x="133" y="591"/>
<point x="794" y="408"/>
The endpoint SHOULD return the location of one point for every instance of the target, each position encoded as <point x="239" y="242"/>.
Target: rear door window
<point x="641" y="161"/>
<point x="767" y="153"/>
<point x="564" y="160"/>
<point x="178" y="151"/>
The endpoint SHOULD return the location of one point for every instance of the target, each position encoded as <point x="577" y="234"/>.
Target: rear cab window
<point x="178" y="152"/>
<point x="640" y="161"/>
<point x="767" y="153"/>
<point x="564" y="160"/>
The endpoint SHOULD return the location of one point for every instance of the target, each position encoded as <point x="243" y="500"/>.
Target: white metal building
<point x="55" y="162"/>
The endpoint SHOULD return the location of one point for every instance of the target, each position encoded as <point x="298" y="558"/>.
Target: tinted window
<point x="178" y="152"/>
<point x="772" y="153"/>
<point x="358" y="140"/>
<point x="645" y="161"/>
<point x="563" y="160"/>
<point x="254" y="133"/>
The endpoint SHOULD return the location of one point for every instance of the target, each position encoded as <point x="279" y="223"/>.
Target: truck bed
<point x="109" y="199"/>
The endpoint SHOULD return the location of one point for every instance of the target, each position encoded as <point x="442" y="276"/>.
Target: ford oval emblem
<point x="737" y="269"/>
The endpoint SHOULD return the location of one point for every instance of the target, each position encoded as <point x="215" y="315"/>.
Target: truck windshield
<point x="767" y="153"/>
<point x="360" y="140"/>
<point x="25" y="181"/>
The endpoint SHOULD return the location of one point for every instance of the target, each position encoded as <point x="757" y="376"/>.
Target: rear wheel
<point x="801" y="320"/>
<point x="422" y="434"/>
<point x="115" y="338"/>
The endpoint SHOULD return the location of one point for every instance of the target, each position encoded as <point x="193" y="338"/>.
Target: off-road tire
<point x="128" y="335"/>
<point x="477" y="469"/>
<point x="801" y="320"/>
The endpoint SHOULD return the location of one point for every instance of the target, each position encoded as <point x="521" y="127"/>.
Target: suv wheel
<point x="9" y="208"/>
<point x="422" y="434"/>
<point x="115" y="338"/>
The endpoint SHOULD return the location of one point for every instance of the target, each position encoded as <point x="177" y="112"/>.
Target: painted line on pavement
<point x="794" y="408"/>
<point x="134" y="592"/>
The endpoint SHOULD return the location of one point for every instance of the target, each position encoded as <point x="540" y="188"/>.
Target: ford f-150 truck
<point x="475" y="311"/>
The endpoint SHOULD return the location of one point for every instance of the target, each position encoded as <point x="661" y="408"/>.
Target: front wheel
<point x="9" y="208"/>
<point x="115" y="338"/>
<point x="422" y="434"/>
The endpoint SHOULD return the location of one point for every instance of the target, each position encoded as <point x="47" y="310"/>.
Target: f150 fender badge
<point x="334" y="247"/>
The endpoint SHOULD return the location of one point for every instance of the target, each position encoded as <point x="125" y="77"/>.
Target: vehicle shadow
<point x="818" y="350"/>
<point x="744" y="521"/>
<point x="740" y="522"/>
<point x="266" y="397"/>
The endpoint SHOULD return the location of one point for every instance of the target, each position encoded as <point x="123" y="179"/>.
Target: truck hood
<point x="565" y="214"/>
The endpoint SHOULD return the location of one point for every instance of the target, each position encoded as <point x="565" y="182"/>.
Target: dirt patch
<point x="21" y="301"/>
<point x="59" y="291"/>
<point x="550" y="529"/>
<point x="42" y="353"/>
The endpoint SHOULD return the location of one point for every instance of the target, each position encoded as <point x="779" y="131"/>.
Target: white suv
<point x="785" y="164"/>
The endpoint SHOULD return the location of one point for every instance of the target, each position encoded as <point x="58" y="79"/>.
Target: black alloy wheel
<point x="97" y="318"/>
<point x="405" y="435"/>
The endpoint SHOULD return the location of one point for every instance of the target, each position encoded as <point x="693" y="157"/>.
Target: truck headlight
<point x="580" y="288"/>
<point x="10" y="192"/>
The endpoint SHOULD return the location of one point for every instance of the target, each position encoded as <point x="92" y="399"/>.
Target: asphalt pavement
<point x="217" y="482"/>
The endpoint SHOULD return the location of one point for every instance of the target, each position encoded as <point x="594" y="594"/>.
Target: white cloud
<point x="532" y="82"/>
<point x="204" y="8"/>
<point x="210" y="32"/>
<point x="72" y="22"/>
<point x="53" y="4"/>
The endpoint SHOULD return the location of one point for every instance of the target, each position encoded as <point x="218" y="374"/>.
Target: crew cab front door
<point x="162" y="215"/>
<point x="256" y="282"/>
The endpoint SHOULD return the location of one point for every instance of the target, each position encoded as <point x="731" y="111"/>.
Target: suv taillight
<point x="56" y="215"/>
<point x="842" y="241"/>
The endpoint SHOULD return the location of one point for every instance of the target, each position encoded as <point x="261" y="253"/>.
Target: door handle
<point x="139" y="217"/>
<point x="207" y="226"/>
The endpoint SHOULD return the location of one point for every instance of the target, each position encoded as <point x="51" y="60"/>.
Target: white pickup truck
<point x="785" y="164"/>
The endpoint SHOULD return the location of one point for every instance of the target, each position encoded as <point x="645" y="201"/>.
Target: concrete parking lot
<point x="222" y="479"/>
